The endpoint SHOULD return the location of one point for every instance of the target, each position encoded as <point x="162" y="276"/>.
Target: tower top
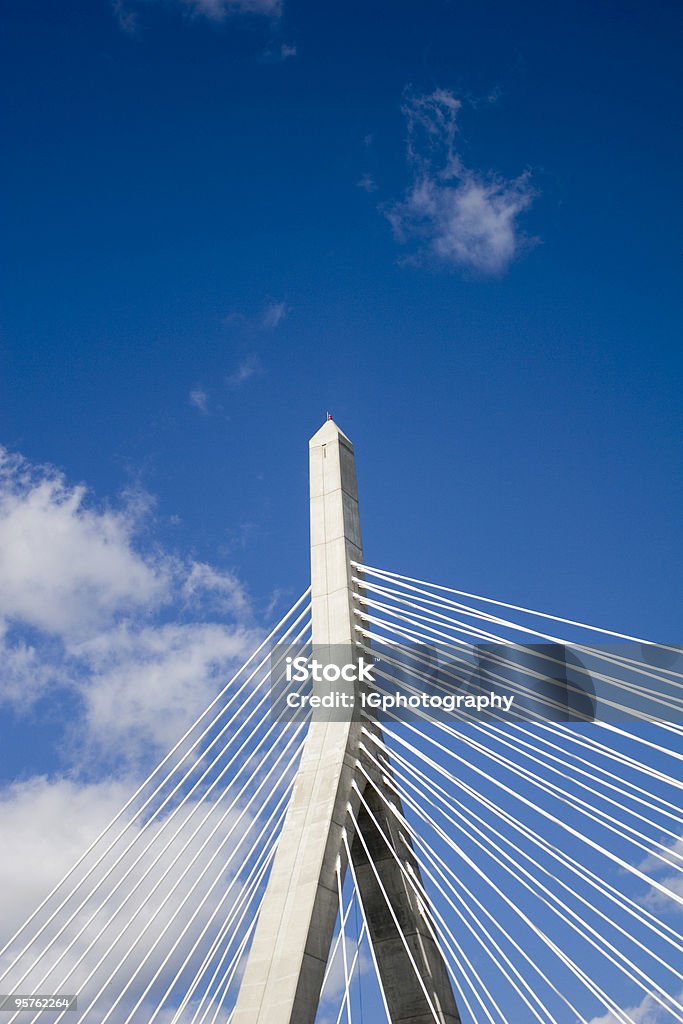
<point x="328" y="432"/>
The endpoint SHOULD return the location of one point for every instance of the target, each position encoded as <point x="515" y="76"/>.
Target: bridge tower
<point x="284" y="973"/>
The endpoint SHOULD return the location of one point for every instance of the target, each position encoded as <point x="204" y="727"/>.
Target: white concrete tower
<point x="286" y="964"/>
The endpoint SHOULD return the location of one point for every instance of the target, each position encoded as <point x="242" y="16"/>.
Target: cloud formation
<point x="213" y="10"/>
<point x="74" y="814"/>
<point x="140" y="637"/>
<point x="270" y="316"/>
<point x="143" y="686"/>
<point x="67" y="568"/>
<point x="273" y="315"/>
<point x="199" y="399"/>
<point x="455" y="216"/>
<point x="146" y="909"/>
<point x="367" y="183"/>
<point x="654" y="898"/>
<point x="248" y="368"/>
<point x="132" y="642"/>
<point x="649" y="1011"/>
<point x="217" y="10"/>
<point x="127" y="19"/>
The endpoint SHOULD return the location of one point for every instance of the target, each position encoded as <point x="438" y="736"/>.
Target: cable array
<point x="548" y="836"/>
<point x="541" y="837"/>
<point x="154" y="920"/>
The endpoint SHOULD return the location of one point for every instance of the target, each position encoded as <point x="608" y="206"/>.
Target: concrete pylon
<point x="286" y="963"/>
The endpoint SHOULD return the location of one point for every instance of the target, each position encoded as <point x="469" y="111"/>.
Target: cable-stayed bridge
<point x="492" y="834"/>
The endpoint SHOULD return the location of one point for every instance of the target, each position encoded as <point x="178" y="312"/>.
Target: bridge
<point x="488" y="831"/>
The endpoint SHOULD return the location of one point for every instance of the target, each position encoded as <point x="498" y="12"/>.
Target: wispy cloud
<point x="127" y="19"/>
<point x="334" y="985"/>
<point x="276" y="52"/>
<point x="217" y="10"/>
<point x="200" y="400"/>
<point x="654" y="898"/>
<point x="453" y="215"/>
<point x="213" y="10"/>
<point x="367" y="183"/>
<point x="268" y="318"/>
<point x="248" y="368"/>
<point x="205" y="582"/>
<point x="273" y="315"/>
<point x="649" y="1011"/>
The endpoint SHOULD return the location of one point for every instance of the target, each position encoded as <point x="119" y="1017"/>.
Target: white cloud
<point x="248" y="368"/>
<point x="330" y="997"/>
<point x="472" y="224"/>
<point x="654" y="863"/>
<point x="145" y="686"/>
<point x="217" y="10"/>
<point x="83" y="608"/>
<point x="200" y="400"/>
<point x="91" y="607"/>
<point x="336" y="981"/>
<point x="65" y="567"/>
<point x="277" y="51"/>
<point x="273" y="315"/>
<point x="647" y="1012"/>
<point x="367" y="183"/>
<point x="455" y="216"/>
<point x="73" y="815"/>
<point x="213" y="10"/>
<point x="127" y="19"/>
<point x="27" y="672"/>
<point x="203" y="581"/>
<point x="268" y="318"/>
<point x="654" y="898"/>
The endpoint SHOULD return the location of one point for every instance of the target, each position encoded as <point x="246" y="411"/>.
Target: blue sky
<point x="169" y="185"/>
<point x="456" y="226"/>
